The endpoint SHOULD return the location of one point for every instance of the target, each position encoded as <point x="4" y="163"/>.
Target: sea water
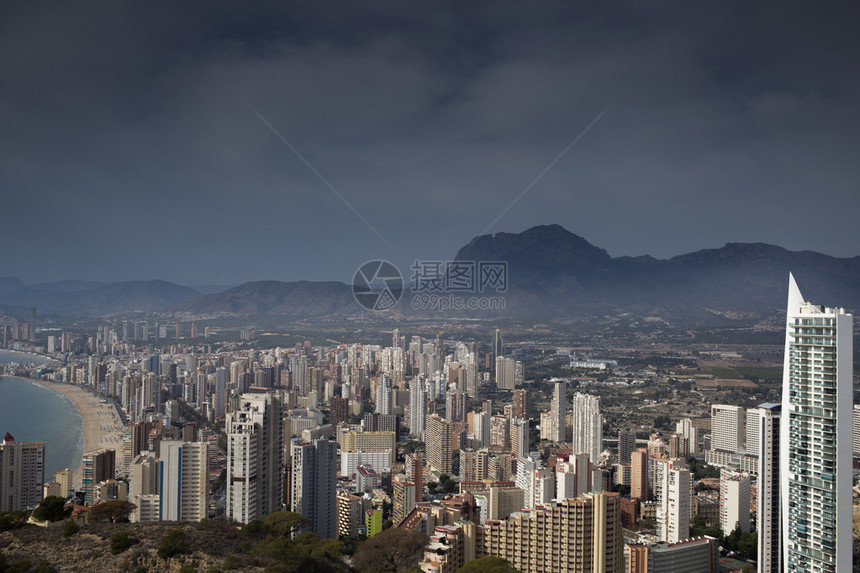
<point x="31" y="412"/>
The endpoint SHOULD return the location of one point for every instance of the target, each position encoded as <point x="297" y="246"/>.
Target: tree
<point x="284" y="522"/>
<point x="52" y="508"/>
<point x="488" y="564"/>
<point x="390" y="551"/>
<point x="122" y="541"/>
<point x="622" y="489"/>
<point x="70" y="528"/>
<point x="173" y="543"/>
<point x="112" y="509"/>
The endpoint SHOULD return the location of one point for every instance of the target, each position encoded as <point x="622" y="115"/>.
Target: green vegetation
<point x="13" y="519"/>
<point x="390" y="551"/>
<point x="444" y="485"/>
<point x="761" y="373"/>
<point x="114" y="510"/>
<point x="743" y="543"/>
<point x="70" y="528"/>
<point x="746" y="544"/>
<point x="174" y="543"/>
<point x="52" y="508"/>
<point x="273" y="538"/>
<point x="121" y="542"/>
<point x="700" y="527"/>
<point x="701" y="470"/>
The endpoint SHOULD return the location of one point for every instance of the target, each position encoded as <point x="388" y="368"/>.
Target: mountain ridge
<point x="552" y="272"/>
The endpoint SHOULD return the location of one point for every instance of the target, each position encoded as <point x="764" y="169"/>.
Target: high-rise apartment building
<point x="686" y="429"/>
<point x="509" y="373"/>
<point x="413" y="467"/>
<point x="816" y="438"/>
<point x="727" y="427"/>
<point x="97" y="467"/>
<point x="768" y="518"/>
<point x="752" y="442"/>
<point x="22" y="473"/>
<point x="521" y="403"/>
<point x="579" y="535"/>
<point x="639" y="482"/>
<point x="673" y="490"/>
<point x="350" y="514"/>
<point x="558" y="412"/>
<point x="255" y="458"/>
<point x="381" y="441"/>
<point x="626" y="445"/>
<point x="404" y="497"/>
<point x="735" y="499"/>
<point x="439" y="443"/>
<point x="498" y="345"/>
<point x="384" y="396"/>
<point x="587" y="426"/>
<point x="700" y="555"/>
<point x="143" y="488"/>
<point x="474" y="465"/>
<point x="183" y="481"/>
<point x="456" y="406"/>
<point x="417" y="407"/>
<point x="856" y="431"/>
<point x="314" y="481"/>
<point x="519" y="437"/>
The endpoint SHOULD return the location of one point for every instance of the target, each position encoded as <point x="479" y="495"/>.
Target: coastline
<point x="101" y="426"/>
<point x="24" y="354"/>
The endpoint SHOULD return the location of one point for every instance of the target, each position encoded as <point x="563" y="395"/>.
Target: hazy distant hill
<point x="274" y="297"/>
<point x="567" y="275"/>
<point x="73" y="298"/>
<point x="552" y="273"/>
<point x="10" y="283"/>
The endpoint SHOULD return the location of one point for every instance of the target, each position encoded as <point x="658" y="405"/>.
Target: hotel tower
<point x="815" y="437"/>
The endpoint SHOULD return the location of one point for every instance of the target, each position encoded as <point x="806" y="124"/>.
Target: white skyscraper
<point x="417" y="407"/>
<point x="687" y="430"/>
<point x="727" y="427"/>
<point x="734" y="501"/>
<point x="816" y="437"/>
<point x="519" y="437"/>
<point x="313" y="486"/>
<point x="768" y="521"/>
<point x="856" y="432"/>
<point x="184" y="477"/>
<point x="673" y="489"/>
<point x="509" y="373"/>
<point x="384" y="395"/>
<point x="254" y="458"/>
<point x="587" y="426"/>
<point x="220" y="391"/>
<point x="299" y="371"/>
<point x="22" y="473"/>
<point x="752" y="439"/>
<point x="558" y="412"/>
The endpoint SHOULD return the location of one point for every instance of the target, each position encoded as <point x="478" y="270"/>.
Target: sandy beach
<point x="102" y="427"/>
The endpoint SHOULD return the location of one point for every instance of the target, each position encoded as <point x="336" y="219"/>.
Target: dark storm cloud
<point x="130" y="148"/>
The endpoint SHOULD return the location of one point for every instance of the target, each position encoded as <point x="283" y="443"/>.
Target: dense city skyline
<point x="218" y="144"/>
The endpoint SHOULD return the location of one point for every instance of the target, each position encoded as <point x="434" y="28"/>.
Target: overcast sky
<point x="130" y="147"/>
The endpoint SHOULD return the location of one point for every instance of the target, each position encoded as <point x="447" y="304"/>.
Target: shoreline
<point x="100" y="425"/>
<point x="32" y="355"/>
